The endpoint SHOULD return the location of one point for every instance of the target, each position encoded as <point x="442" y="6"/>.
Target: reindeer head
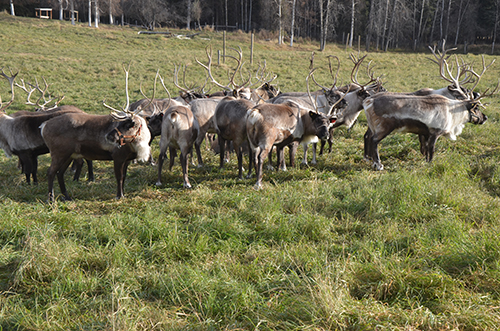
<point x="322" y="124"/>
<point x="131" y="129"/>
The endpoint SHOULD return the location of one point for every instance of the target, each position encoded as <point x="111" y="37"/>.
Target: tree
<point x="188" y="18"/>
<point x="12" y="12"/>
<point x="293" y="22"/>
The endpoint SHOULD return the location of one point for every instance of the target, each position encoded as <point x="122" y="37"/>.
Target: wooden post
<point x="224" y="48"/>
<point x="218" y="57"/>
<point x="347" y="42"/>
<point x="251" y="49"/>
<point x="359" y="43"/>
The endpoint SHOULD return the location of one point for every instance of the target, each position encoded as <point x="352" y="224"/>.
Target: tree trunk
<point x="293" y="23"/>
<point x="441" y="21"/>
<point x="369" y="28"/>
<point x="353" y="3"/>
<point x="496" y="27"/>
<point x="434" y="22"/>
<point x="111" y="21"/>
<point x="72" y="4"/>
<point x="250" y="15"/>
<point x="385" y="22"/>
<point x="96" y="18"/>
<point x="90" y="13"/>
<point x="447" y="20"/>
<point x="60" y="10"/>
<point x="226" y="13"/>
<point x="389" y="31"/>
<point x="420" y="23"/>
<point x="321" y="27"/>
<point x="188" y="20"/>
<point x="280" y="41"/>
<point x="12" y="12"/>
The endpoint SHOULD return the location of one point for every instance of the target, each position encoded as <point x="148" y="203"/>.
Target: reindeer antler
<point x="208" y="67"/>
<point x="11" y="80"/>
<point x="125" y="112"/>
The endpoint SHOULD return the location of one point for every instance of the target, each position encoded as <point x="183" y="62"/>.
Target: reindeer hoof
<point x="377" y="166"/>
<point x="187" y="185"/>
<point x="158" y="183"/>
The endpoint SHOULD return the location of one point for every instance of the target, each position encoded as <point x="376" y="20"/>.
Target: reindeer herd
<point x="256" y="119"/>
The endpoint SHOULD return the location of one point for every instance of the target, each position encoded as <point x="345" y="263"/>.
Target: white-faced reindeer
<point x="278" y="125"/>
<point x="430" y="116"/>
<point x="121" y="136"/>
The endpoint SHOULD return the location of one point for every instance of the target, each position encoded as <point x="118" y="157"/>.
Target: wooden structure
<point x="67" y="15"/>
<point x="43" y="13"/>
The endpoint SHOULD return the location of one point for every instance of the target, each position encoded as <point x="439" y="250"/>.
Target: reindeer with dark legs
<point x="230" y="121"/>
<point x="121" y="136"/>
<point x="20" y="134"/>
<point x="428" y="115"/>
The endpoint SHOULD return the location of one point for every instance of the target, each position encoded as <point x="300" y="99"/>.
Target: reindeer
<point x="354" y="95"/>
<point x="430" y="116"/>
<point x="180" y="129"/>
<point x="327" y="101"/>
<point x="280" y="124"/>
<point x="20" y="135"/>
<point x="121" y="136"/>
<point x="230" y="121"/>
<point x="204" y="109"/>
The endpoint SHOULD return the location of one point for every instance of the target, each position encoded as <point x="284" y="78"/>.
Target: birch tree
<point x="496" y="26"/>
<point x="12" y="12"/>
<point x="353" y="4"/>
<point x="293" y="22"/>
<point x="188" y="18"/>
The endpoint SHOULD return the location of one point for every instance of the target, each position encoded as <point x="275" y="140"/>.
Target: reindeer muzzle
<point x="124" y="139"/>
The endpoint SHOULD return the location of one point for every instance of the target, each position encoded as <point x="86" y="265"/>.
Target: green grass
<point x="331" y="247"/>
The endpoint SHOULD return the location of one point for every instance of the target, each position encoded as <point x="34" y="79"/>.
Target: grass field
<point x="336" y="246"/>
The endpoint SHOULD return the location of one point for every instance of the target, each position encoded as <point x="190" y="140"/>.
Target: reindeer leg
<point x="60" y="179"/>
<point x="120" y="167"/>
<point x="251" y="162"/>
<point x="90" y="172"/>
<point x="78" y="163"/>
<point x="367" y="138"/>
<point x="222" y="150"/>
<point x="161" y="158"/>
<point x="197" y="144"/>
<point x="260" y="157"/>
<point x="239" y="155"/>
<point x="423" y="139"/>
<point x="173" y="154"/>
<point x="314" y="161"/>
<point x="292" y="150"/>
<point x="431" y="142"/>
<point x="304" y="158"/>
<point x="184" y="165"/>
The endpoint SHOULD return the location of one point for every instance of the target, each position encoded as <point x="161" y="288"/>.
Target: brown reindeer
<point x="280" y="124"/>
<point x="230" y="120"/>
<point x="121" y="136"/>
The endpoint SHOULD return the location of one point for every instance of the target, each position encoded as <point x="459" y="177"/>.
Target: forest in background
<point x="378" y="24"/>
